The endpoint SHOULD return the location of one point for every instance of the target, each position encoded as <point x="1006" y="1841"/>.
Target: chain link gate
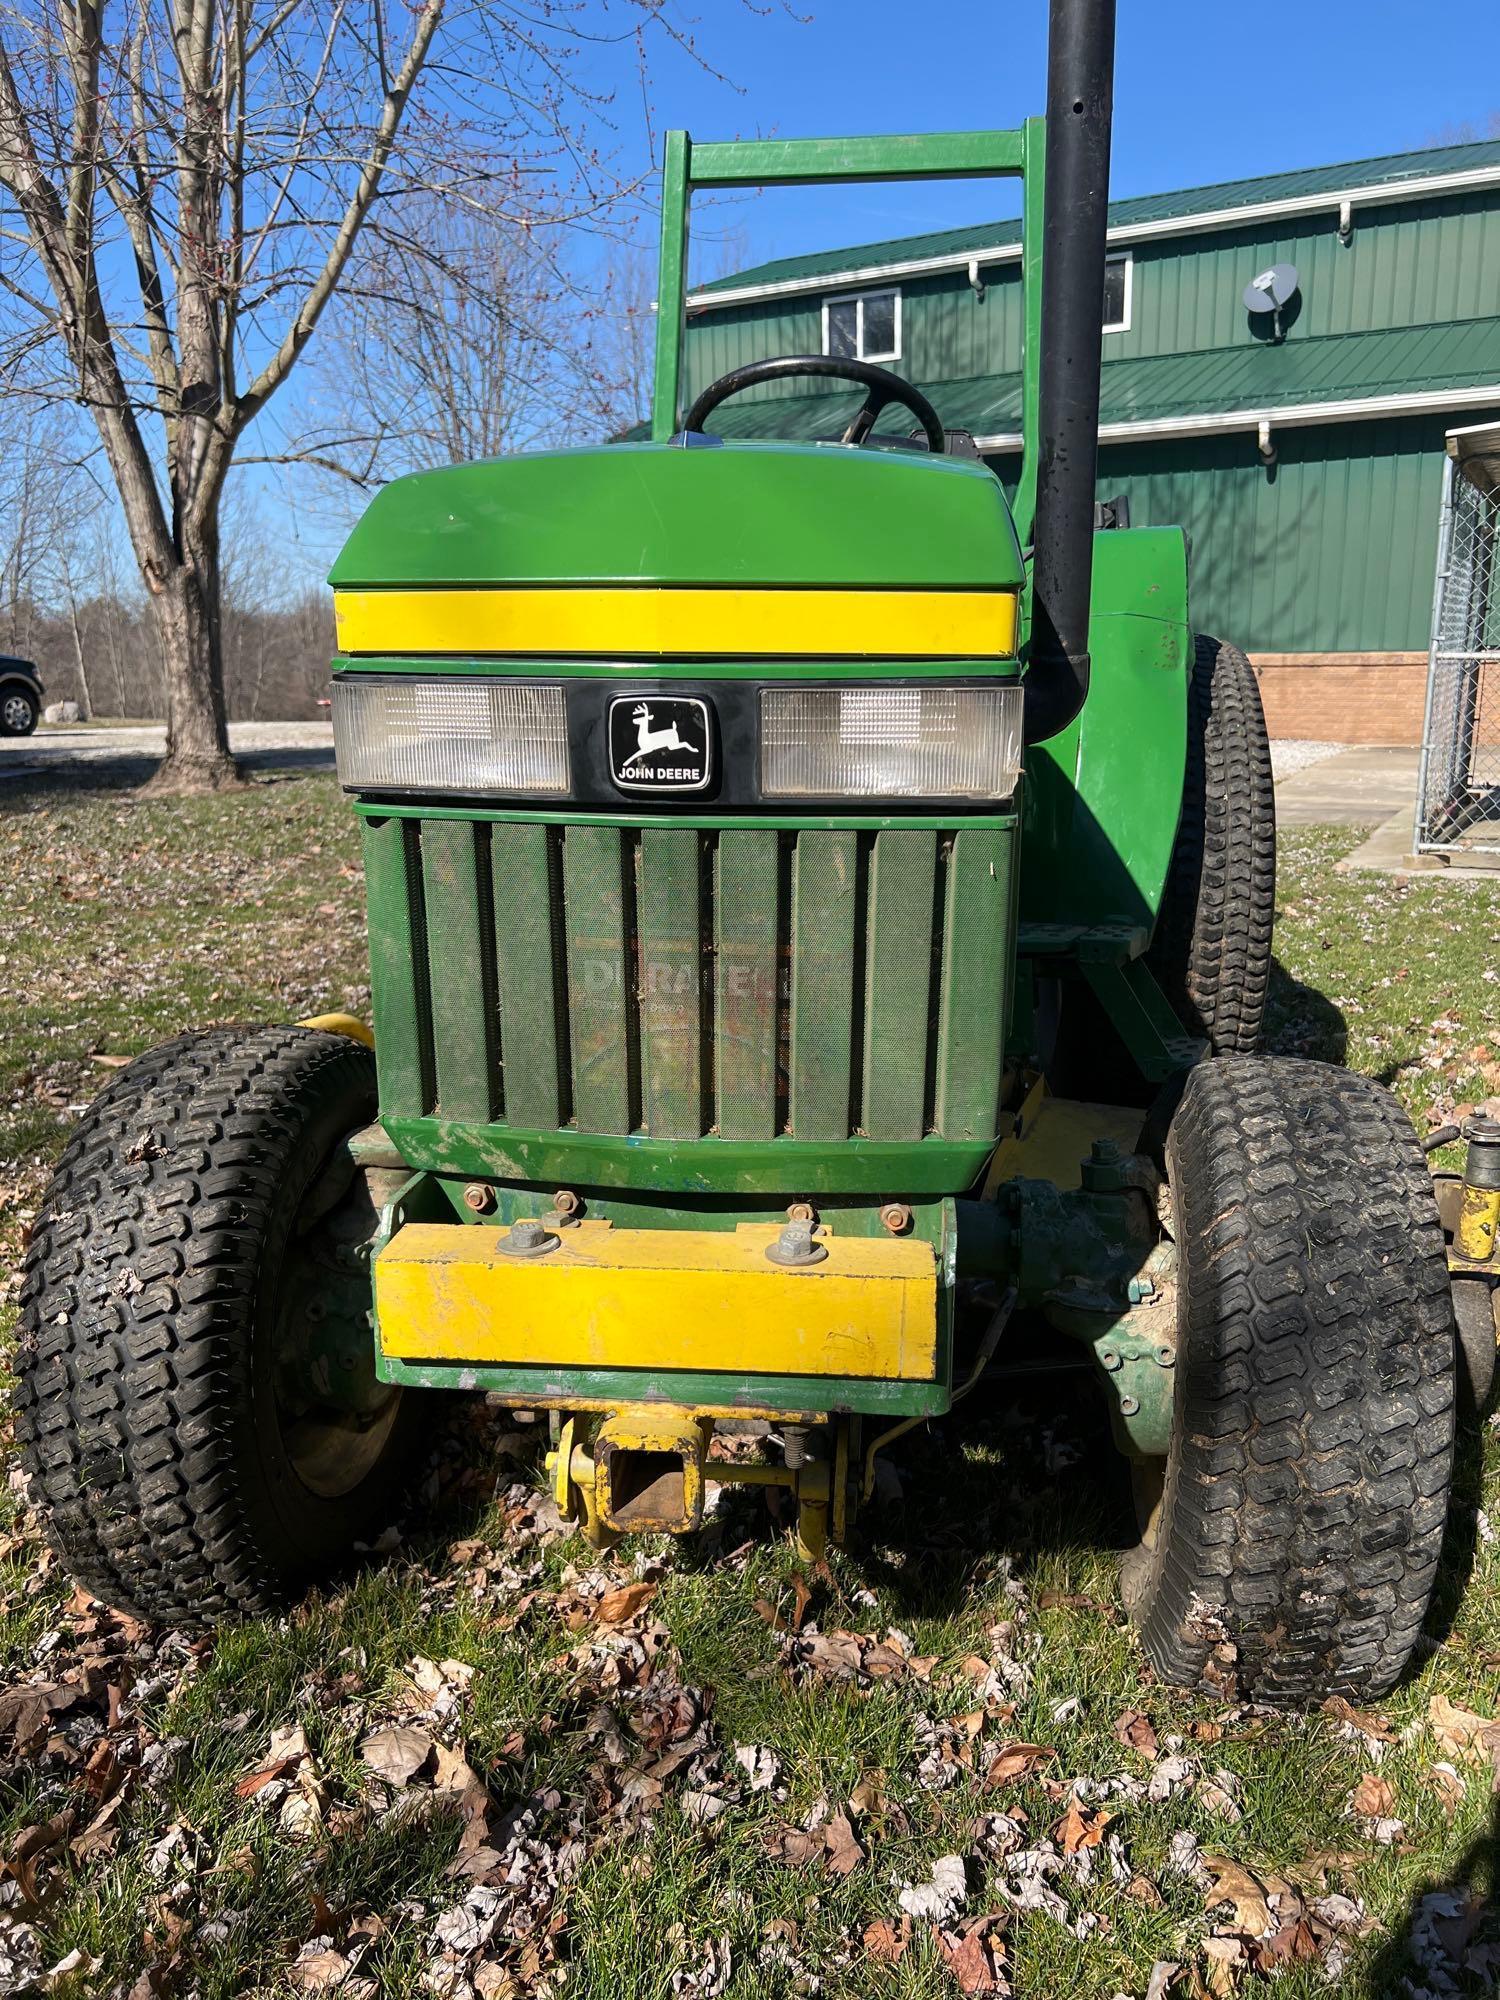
<point x="1458" y="789"/>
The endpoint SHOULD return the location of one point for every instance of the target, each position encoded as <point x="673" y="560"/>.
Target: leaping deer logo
<point x="649" y="739"/>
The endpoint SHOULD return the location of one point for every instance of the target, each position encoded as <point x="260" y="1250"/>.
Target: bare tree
<point x="42" y="489"/>
<point x="189" y="182"/>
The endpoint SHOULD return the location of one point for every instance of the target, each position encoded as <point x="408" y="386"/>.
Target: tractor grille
<point x="686" y="983"/>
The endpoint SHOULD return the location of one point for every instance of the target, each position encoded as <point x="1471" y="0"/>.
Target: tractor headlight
<point x="450" y="736"/>
<point x="890" y="742"/>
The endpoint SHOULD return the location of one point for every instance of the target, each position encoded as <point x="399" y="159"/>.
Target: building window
<point x="864" y="326"/>
<point x="1119" y="282"/>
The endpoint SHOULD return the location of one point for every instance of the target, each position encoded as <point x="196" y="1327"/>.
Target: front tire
<point x="18" y="711"/>
<point x="181" y="1473"/>
<point x="1303" y="1500"/>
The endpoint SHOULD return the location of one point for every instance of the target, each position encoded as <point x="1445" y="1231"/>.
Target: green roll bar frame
<point x="1017" y="153"/>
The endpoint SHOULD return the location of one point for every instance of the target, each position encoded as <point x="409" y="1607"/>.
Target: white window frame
<point x="892" y="292"/>
<point x="1126" y="258"/>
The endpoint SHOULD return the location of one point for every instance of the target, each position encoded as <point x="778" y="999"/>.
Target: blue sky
<point x="1204" y="91"/>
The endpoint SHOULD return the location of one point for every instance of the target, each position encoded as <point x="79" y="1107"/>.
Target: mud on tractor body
<point x="820" y="918"/>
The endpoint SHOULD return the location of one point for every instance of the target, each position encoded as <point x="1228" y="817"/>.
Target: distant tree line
<point x="104" y="652"/>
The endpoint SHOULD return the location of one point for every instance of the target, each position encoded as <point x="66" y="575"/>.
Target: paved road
<point x="126" y="754"/>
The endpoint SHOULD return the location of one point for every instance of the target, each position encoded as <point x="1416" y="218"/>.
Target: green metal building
<point x="1304" y="459"/>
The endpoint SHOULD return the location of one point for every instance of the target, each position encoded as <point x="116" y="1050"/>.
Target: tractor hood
<point x="769" y="514"/>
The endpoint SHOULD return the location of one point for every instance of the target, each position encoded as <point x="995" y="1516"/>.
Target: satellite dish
<point x="1269" y="290"/>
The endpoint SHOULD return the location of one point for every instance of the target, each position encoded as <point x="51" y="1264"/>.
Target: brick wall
<point x="1344" y="697"/>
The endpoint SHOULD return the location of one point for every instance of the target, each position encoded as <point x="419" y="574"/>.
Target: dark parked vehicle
<point x="20" y="696"/>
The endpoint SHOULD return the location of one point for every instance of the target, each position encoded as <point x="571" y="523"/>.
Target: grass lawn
<point x="695" y="1785"/>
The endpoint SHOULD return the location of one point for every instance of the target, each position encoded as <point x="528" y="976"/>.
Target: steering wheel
<point x="883" y="387"/>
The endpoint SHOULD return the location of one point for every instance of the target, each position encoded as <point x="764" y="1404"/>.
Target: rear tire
<point x="152" y="1407"/>
<point x="1305" y="1491"/>
<point x="1212" y="947"/>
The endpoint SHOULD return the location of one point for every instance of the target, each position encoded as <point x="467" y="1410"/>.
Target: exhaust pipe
<point x="1080" y="89"/>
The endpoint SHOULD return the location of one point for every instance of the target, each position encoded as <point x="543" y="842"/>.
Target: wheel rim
<point x="17" y="711"/>
<point x="332" y="1453"/>
<point x="334" y="1416"/>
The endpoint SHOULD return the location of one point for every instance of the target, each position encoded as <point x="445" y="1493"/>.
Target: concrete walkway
<point x="1375" y="788"/>
<point x="1359" y="786"/>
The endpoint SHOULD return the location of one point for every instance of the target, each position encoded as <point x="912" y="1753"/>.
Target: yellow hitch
<point x="642" y="1470"/>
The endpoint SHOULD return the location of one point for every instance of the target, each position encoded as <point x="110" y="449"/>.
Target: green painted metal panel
<point x="1102" y="798"/>
<point x="456" y="898"/>
<point x="528" y="951"/>
<point x="601" y="978"/>
<point x="978" y="967"/>
<point x="825" y="902"/>
<point x="398" y="965"/>
<point x="644" y="514"/>
<point x="747" y="981"/>
<point x="670" y="922"/>
<point x="901" y="156"/>
<point x="814" y="1394"/>
<point x="709" y="1166"/>
<point x="898" y="983"/>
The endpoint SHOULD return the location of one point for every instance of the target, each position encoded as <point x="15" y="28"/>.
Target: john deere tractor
<point x="820" y="921"/>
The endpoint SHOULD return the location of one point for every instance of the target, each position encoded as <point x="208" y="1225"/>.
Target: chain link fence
<point x="1458" y="791"/>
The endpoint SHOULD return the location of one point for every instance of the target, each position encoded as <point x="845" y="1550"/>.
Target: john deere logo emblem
<point x="662" y="743"/>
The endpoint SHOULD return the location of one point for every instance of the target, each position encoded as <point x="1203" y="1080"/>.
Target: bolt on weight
<point x="528" y="1238"/>
<point x="797" y="1245"/>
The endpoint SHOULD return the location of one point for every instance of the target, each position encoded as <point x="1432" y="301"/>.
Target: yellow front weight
<point x="688" y="1300"/>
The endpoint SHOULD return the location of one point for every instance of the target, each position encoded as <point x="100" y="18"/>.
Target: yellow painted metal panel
<point x="658" y="1298"/>
<point x="960" y="624"/>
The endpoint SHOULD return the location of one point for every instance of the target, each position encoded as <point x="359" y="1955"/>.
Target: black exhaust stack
<point x="1080" y="90"/>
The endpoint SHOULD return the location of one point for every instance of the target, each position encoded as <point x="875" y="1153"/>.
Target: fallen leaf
<point x="1225" y="1958"/>
<point x="1364" y="1720"/>
<point x="1372" y="1797"/>
<point x="616" y="1606"/>
<point x="884" y="1942"/>
<point x="318" y="1969"/>
<point x="844" y="1851"/>
<point x="803" y="1597"/>
<point x="971" y="1957"/>
<point x="1443" y="1779"/>
<point x="1134" y="1730"/>
<point x="942" y="1895"/>
<point x="451" y="1773"/>
<point x="1460" y="1731"/>
<point x="868" y="1795"/>
<point x="1079" y="1827"/>
<point x="397" y="1754"/>
<point x="1244" y="1892"/>
<point x="1016" y="1760"/>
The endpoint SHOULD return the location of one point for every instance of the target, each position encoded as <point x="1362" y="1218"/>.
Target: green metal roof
<point x="1304" y="181"/>
<point x="1326" y="368"/>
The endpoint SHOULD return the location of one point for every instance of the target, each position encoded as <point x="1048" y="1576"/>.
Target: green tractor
<point x="820" y="918"/>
